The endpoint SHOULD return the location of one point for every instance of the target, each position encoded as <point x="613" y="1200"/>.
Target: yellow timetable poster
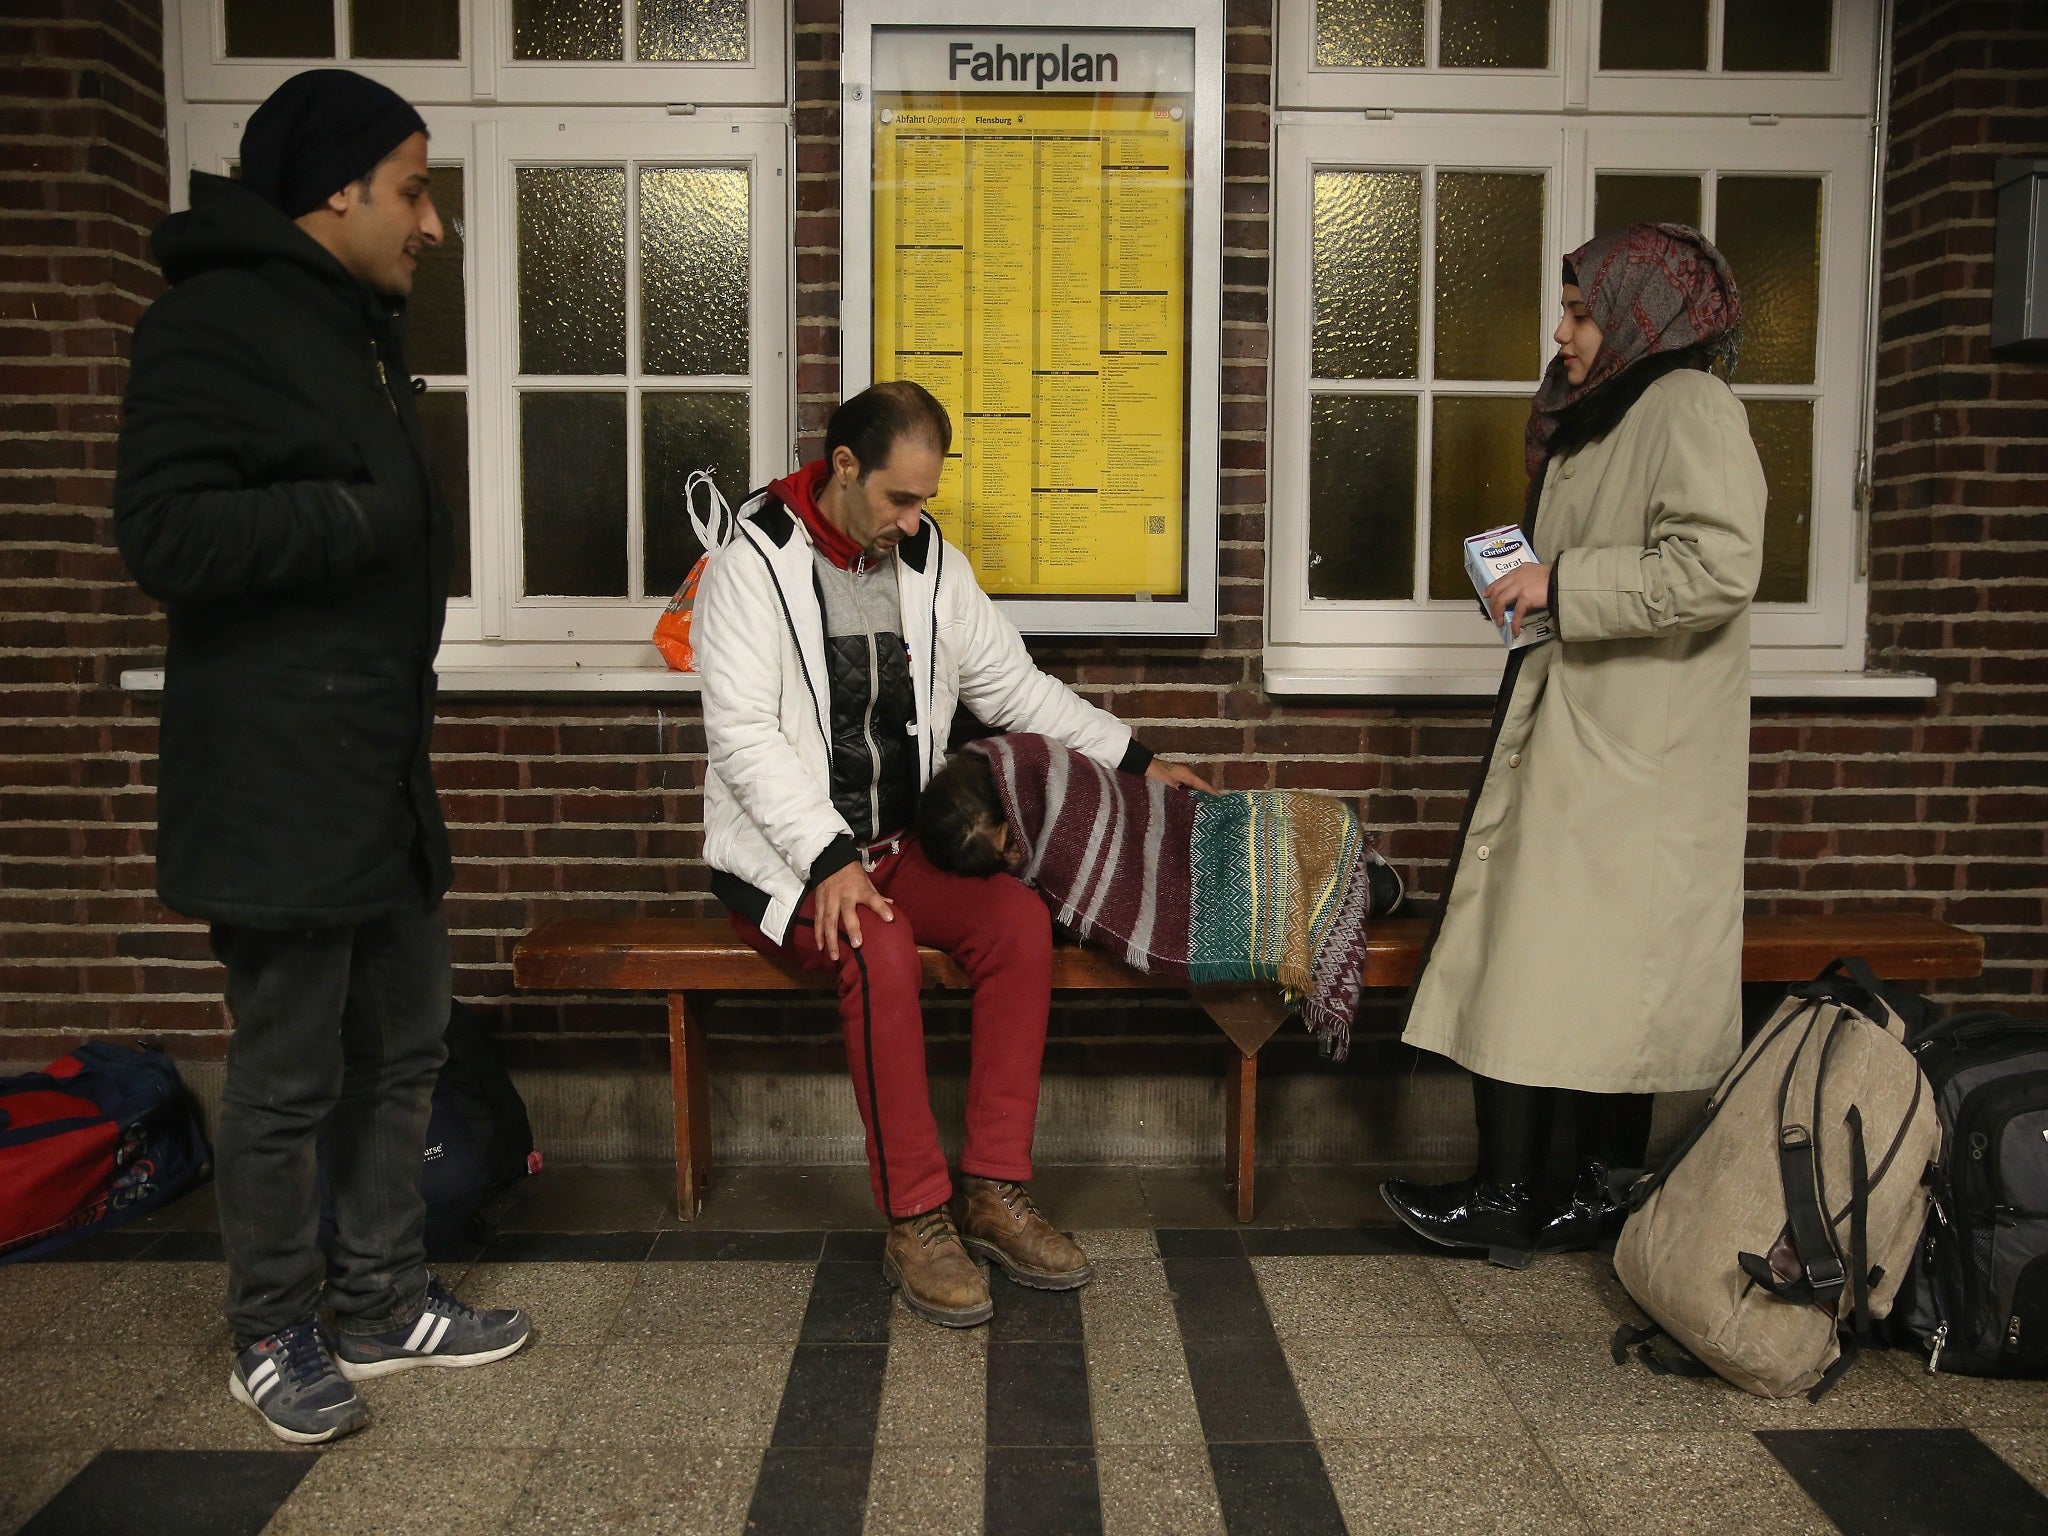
<point x="1030" y="269"/>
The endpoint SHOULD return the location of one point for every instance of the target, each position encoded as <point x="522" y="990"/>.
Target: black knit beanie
<point x="318" y="132"/>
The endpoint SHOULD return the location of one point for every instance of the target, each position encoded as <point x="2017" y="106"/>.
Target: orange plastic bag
<point x="672" y="629"/>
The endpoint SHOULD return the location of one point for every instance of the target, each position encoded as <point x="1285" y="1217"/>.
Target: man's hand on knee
<point x="838" y="900"/>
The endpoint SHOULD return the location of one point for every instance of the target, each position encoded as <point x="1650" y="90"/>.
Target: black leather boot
<point x="1496" y="1211"/>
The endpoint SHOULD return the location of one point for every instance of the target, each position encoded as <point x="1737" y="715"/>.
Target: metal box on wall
<point x="2019" y="284"/>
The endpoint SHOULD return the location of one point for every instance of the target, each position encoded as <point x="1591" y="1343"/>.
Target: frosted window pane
<point x="444" y="418"/>
<point x="1489" y="275"/>
<point x="1476" y="480"/>
<point x="572" y="457"/>
<point x="1361" y="496"/>
<point x="572" y="269"/>
<point x="1368" y="274"/>
<point x="1369" y="34"/>
<point x="436" y="338"/>
<point x="1620" y="200"/>
<point x="1777" y="35"/>
<point x="279" y="29"/>
<point x="1493" y="34"/>
<point x="568" y="29"/>
<point x="1769" y="229"/>
<point x="1783" y="430"/>
<point x="1666" y="34"/>
<point x="693" y="30"/>
<point x="693" y="269"/>
<point x="681" y="432"/>
<point x="405" y="29"/>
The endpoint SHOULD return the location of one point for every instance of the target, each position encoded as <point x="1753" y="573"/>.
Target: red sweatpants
<point x="1001" y="935"/>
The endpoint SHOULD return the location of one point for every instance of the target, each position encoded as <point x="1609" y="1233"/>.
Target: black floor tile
<point x="1038" y="1395"/>
<point x="694" y="1245"/>
<point x="101" y="1247"/>
<point x="173" y="1493"/>
<point x="832" y="1396"/>
<point x="1244" y="1391"/>
<point x="456" y="1250"/>
<point x="866" y="1247"/>
<point x="1023" y="1312"/>
<point x="1040" y="1491"/>
<point x="1299" y="1242"/>
<point x="1218" y="1299"/>
<point x="1909" y="1482"/>
<point x="810" y="1492"/>
<point x="569" y="1247"/>
<point x="186" y="1248"/>
<point x="849" y="1304"/>
<point x="1279" y="1489"/>
<point x="1199" y="1243"/>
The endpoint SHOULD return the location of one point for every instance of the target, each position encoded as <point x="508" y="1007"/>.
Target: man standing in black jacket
<point x="274" y="495"/>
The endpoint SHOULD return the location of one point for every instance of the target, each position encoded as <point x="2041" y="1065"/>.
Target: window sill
<point x="1295" y="683"/>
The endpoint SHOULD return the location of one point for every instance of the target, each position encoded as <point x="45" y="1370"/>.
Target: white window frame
<point x="497" y="640"/>
<point x="1485" y="119"/>
<point x="486" y="70"/>
<point x="1573" y="82"/>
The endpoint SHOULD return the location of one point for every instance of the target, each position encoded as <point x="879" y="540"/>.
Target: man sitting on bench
<point x="836" y="634"/>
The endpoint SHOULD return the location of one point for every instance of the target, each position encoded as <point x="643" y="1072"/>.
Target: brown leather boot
<point x="940" y="1283"/>
<point x="1003" y="1226"/>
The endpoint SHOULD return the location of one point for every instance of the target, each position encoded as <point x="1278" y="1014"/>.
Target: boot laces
<point x="935" y="1227"/>
<point x="1017" y="1200"/>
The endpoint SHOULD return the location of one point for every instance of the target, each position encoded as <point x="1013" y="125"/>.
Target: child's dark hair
<point x="957" y="816"/>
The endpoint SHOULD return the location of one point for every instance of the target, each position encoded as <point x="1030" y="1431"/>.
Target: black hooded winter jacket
<point x="274" y="495"/>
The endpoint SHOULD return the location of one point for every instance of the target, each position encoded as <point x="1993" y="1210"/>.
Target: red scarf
<point x="799" y="493"/>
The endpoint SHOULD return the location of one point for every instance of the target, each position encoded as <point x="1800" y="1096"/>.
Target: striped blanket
<point x="1258" y="886"/>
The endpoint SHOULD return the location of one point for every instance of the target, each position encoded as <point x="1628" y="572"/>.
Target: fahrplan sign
<point x="1035" y="59"/>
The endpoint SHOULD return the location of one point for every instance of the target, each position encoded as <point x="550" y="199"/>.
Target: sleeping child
<point x="1259" y="886"/>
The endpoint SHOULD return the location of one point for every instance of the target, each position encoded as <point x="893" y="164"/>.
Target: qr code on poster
<point x="1155" y="525"/>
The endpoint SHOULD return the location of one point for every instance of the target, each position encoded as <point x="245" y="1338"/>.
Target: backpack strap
<point x="1859" y="1214"/>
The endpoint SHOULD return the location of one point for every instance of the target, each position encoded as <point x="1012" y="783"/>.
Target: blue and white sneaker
<point x="447" y="1332"/>
<point x="290" y="1379"/>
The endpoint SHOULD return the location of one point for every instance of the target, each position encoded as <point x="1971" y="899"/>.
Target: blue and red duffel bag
<point x="103" y="1134"/>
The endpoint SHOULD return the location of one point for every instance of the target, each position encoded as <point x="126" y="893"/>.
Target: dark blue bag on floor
<point x="97" y="1137"/>
<point x="479" y="1140"/>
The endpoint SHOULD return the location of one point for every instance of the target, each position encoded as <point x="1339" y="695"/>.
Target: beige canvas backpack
<point x="1783" y="1225"/>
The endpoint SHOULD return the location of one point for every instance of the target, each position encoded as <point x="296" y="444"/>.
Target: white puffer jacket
<point x="760" y="643"/>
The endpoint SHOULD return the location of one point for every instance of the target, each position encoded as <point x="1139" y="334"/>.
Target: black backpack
<point x="479" y="1140"/>
<point x="1977" y="1297"/>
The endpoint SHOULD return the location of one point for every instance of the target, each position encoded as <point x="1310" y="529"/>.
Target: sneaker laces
<point x="301" y="1355"/>
<point x="441" y="1299"/>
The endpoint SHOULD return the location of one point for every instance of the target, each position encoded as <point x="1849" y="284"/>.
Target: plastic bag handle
<point x="715" y="526"/>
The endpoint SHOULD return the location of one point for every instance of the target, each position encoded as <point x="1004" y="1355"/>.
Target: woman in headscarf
<point x="1590" y="938"/>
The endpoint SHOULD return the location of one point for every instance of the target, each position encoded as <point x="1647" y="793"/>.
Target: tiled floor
<point x="750" y="1373"/>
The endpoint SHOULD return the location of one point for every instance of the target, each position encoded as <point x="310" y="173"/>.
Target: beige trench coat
<point x="1592" y="938"/>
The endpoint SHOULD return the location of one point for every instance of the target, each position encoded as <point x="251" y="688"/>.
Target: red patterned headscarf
<point x="1651" y="288"/>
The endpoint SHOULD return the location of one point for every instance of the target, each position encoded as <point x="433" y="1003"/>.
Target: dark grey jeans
<point x="342" y="1027"/>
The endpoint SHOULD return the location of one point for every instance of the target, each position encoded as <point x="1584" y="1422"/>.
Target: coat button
<point x="1514" y="759"/>
<point x="1484" y="850"/>
<point x="1565" y="470"/>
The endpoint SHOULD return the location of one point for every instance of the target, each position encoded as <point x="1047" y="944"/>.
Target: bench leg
<point x="690" y="1082"/>
<point x="1241" y="1110"/>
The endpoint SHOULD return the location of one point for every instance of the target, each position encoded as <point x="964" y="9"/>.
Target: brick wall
<point x="81" y="183"/>
<point x="595" y="808"/>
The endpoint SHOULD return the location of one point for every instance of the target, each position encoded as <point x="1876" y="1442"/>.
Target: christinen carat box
<point x="1490" y="556"/>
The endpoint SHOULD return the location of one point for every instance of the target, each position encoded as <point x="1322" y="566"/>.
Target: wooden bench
<point x="695" y="960"/>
